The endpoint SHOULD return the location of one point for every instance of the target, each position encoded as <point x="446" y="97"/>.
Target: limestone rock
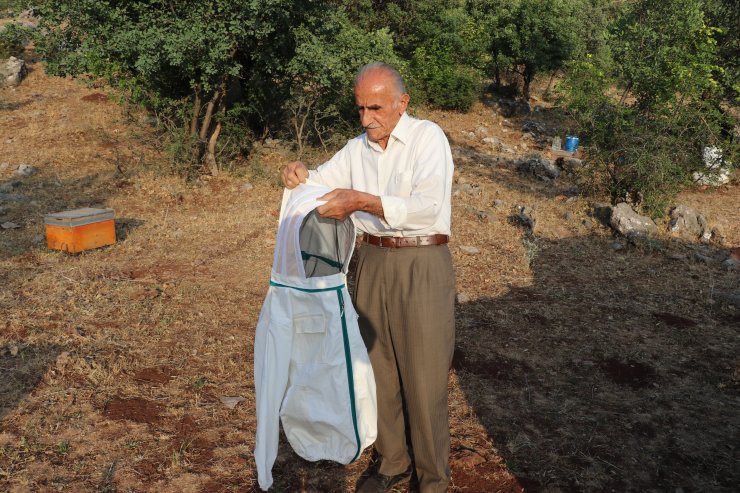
<point x="541" y="168"/>
<point x="629" y="223"/>
<point x="26" y="170"/>
<point x="12" y="72"/>
<point x="688" y="222"/>
<point x="469" y="250"/>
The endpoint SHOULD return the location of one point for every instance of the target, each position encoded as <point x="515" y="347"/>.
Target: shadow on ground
<point x="23" y="366"/>
<point x="613" y="371"/>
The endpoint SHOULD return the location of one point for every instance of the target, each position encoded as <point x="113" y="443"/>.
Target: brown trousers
<point x="405" y="298"/>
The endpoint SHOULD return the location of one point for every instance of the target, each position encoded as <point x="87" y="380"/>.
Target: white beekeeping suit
<point x="311" y="366"/>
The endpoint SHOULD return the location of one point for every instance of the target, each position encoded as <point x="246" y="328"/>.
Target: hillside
<point x="580" y="365"/>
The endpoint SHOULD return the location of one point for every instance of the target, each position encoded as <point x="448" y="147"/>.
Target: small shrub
<point x="13" y="39"/>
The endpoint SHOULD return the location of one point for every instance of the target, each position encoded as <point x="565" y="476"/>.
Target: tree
<point x="169" y="54"/>
<point x="530" y="36"/>
<point x="648" y="146"/>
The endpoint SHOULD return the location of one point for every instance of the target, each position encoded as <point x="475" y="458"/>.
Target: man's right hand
<point x="294" y="174"/>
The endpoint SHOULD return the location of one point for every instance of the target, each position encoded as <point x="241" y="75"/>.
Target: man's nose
<point x="365" y="119"/>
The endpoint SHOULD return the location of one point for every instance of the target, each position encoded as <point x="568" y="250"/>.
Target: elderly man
<point x="395" y="180"/>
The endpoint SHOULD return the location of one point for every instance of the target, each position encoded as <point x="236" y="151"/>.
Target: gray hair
<point x="396" y="78"/>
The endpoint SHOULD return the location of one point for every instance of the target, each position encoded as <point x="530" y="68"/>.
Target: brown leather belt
<point x="404" y="241"/>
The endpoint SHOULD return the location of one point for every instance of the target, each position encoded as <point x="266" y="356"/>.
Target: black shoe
<point x="380" y="483"/>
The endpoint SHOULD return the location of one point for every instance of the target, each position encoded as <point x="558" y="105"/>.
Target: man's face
<point x="379" y="104"/>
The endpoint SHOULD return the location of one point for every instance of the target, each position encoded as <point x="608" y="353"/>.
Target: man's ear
<point x="403" y="103"/>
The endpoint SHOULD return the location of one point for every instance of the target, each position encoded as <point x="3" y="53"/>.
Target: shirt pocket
<point x="309" y="338"/>
<point x="401" y="183"/>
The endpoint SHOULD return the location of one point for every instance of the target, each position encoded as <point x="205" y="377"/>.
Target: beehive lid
<point x="78" y="217"/>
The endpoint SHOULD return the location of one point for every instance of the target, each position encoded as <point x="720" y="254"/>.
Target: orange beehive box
<point x="80" y="229"/>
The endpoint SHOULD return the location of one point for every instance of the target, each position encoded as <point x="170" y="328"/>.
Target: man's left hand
<point x="342" y="202"/>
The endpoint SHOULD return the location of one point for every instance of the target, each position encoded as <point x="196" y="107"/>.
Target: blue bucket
<point x="571" y="143"/>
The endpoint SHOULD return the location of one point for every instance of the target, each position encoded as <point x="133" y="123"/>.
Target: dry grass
<point x="578" y="368"/>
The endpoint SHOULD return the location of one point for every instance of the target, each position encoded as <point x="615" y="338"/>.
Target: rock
<point x="715" y="173"/>
<point x="498" y="203"/>
<point x="463" y="298"/>
<point x="629" y="223"/>
<point x="231" y="402"/>
<point x="26" y="170"/>
<point x="14" y="350"/>
<point x="487" y="216"/>
<point x="603" y="213"/>
<point x="469" y="250"/>
<point x="718" y="236"/>
<point x="247" y="187"/>
<point x="9" y="197"/>
<point x="38" y="239"/>
<point x="469" y="188"/>
<point x="702" y="258"/>
<point x="9" y="185"/>
<point x="541" y="168"/>
<point x="525" y="217"/>
<point x="3" y="211"/>
<point x="533" y="127"/>
<point x="481" y="131"/>
<point x="4" y="166"/>
<point x="493" y="141"/>
<point x="12" y="72"/>
<point x="569" y="216"/>
<point x="687" y="222"/>
<point x="570" y="164"/>
<point x="616" y="246"/>
<point x="589" y="223"/>
<point x="729" y="297"/>
<point x="9" y="225"/>
<point x="731" y="264"/>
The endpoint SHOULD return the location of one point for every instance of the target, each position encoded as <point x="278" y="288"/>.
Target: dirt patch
<point x="95" y="97"/>
<point x="158" y="374"/>
<point x="675" y="320"/>
<point x="492" y="366"/>
<point x="133" y="409"/>
<point x="635" y="374"/>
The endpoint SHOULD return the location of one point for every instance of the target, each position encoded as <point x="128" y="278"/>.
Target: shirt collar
<point x="400" y="132"/>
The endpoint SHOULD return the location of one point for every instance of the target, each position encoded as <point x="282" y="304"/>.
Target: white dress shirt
<point x="412" y="177"/>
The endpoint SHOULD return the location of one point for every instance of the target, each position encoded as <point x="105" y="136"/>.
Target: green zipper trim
<point x="306" y="290"/>
<point x="350" y="377"/>
<point x="347" y="354"/>
<point x="333" y="263"/>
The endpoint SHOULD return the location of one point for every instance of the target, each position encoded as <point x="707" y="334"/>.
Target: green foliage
<point x="650" y="146"/>
<point x="14" y="6"/>
<point x="665" y="50"/>
<point x="725" y="16"/>
<point x="445" y="47"/>
<point x="444" y="83"/>
<point x="329" y="50"/>
<point x="530" y="36"/>
<point x="13" y="39"/>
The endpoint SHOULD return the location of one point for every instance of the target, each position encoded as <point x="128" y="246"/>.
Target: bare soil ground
<point x="578" y="368"/>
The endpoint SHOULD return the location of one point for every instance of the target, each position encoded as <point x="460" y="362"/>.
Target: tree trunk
<point x="552" y="79"/>
<point x="196" y="112"/>
<point x="527" y="76"/>
<point x="200" y="145"/>
<point x="625" y="93"/>
<point x="211" y="152"/>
